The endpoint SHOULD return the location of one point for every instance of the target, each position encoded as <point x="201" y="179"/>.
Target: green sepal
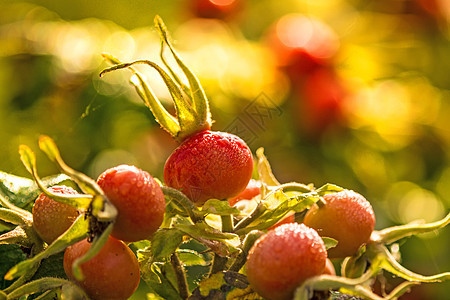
<point x="96" y="200"/>
<point x="329" y="242"/>
<point x="197" y="94"/>
<point x="95" y="247"/>
<point x="265" y="170"/>
<point x="28" y="158"/>
<point x="75" y="233"/>
<point x="380" y="254"/>
<point x="395" y="233"/>
<point x="45" y="284"/>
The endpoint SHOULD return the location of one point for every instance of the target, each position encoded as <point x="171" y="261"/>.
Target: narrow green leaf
<point x="182" y="202"/>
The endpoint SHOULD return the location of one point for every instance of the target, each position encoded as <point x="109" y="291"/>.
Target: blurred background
<point x="350" y="92"/>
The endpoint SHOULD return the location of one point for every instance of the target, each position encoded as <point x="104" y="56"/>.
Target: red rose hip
<point x="52" y="218"/>
<point x="347" y="217"/>
<point x="283" y="258"/>
<point x="139" y="201"/>
<point x="209" y="164"/>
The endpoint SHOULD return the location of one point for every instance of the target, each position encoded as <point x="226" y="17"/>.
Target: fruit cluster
<point x="257" y="237"/>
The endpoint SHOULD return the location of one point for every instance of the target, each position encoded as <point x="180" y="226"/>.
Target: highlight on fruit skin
<point x="345" y="216"/>
<point x="282" y="259"/>
<point x="52" y="218"/>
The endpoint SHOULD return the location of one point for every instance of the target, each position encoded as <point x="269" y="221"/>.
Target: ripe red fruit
<point x="112" y="274"/>
<point x="283" y="258"/>
<point x="253" y="189"/>
<point x="139" y="201"/>
<point x="209" y="164"/>
<point x="52" y="218"/>
<point x="347" y="217"/>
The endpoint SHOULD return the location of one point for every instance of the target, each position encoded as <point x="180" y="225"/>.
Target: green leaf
<point x="21" y="191"/>
<point x="191" y="258"/>
<point x="279" y="205"/>
<point x="51" y="267"/>
<point x="218" y="207"/>
<point x="165" y="242"/>
<point x="10" y="255"/>
<point x="159" y="282"/>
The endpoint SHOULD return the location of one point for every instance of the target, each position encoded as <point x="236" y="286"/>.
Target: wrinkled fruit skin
<point x="139" y="201"/>
<point x="209" y="164"/>
<point x="253" y="189"/>
<point x="52" y="218"/>
<point x="347" y="217"/>
<point x="283" y="258"/>
<point x="113" y="274"/>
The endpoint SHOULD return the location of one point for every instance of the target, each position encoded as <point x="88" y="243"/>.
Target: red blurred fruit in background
<point x="320" y="102"/>
<point x="253" y="189"/>
<point x="301" y="44"/>
<point x="215" y="9"/>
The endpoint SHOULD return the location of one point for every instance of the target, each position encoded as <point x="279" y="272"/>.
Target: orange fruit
<point x="347" y="217"/>
<point x="52" y="218"/>
<point x="283" y="258"/>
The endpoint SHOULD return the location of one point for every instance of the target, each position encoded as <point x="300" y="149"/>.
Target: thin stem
<point x="227" y="223"/>
<point x="180" y="275"/>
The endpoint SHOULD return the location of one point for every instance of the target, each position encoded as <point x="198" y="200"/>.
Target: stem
<point x="227" y="223"/>
<point x="219" y="262"/>
<point x="180" y="275"/>
<point x="258" y="211"/>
